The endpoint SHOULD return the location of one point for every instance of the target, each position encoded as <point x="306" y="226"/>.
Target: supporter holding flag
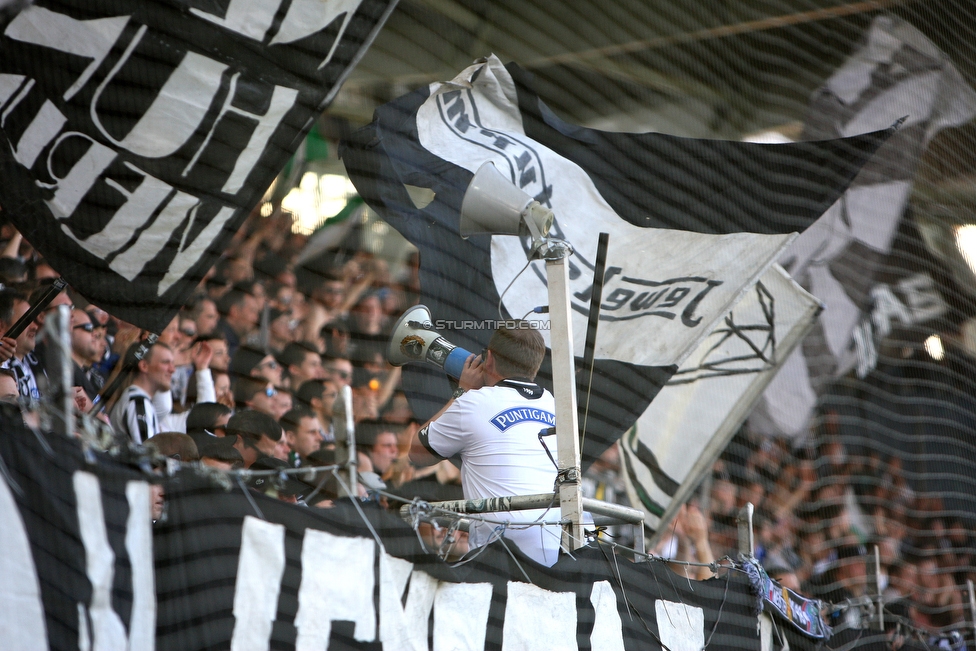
<point x="134" y="417"/>
<point x="37" y="357"/>
<point x="14" y="305"/>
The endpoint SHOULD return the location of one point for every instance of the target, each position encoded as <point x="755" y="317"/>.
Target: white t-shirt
<point x="496" y="432"/>
<point x="163" y="402"/>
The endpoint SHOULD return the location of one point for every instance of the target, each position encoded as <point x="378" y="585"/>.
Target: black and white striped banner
<point x="83" y="568"/>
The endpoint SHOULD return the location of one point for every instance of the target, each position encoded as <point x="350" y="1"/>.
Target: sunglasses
<point x="87" y="327"/>
<point x="270" y="364"/>
<point x="188" y="332"/>
<point x="345" y="375"/>
<point x="271" y="392"/>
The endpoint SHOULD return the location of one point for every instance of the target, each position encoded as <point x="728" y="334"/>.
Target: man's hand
<point x="694" y="524"/>
<point x="201" y="355"/>
<point x="473" y="375"/>
<point x="7" y="348"/>
<point x="82" y="401"/>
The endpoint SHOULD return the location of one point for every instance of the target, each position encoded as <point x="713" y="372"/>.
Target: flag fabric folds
<point x="705" y="402"/>
<point x="693" y="223"/>
<point x="897" y="73"/>
<point x="136" y="137"/>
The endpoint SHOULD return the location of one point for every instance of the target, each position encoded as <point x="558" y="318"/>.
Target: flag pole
<point x="564" y="392"/>
<point x="32" y="313"/>
<point x="345" y="438"/>
<point x="592" y="323"/>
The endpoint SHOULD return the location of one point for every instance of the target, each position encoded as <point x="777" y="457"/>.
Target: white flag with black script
<point x="691" y="222"/>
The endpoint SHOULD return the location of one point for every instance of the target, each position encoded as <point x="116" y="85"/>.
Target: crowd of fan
<point x="247" y="374"/>
<point x="821" y="511"/>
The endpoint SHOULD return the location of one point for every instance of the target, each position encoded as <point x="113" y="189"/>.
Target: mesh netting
<point x="827" y="380"/>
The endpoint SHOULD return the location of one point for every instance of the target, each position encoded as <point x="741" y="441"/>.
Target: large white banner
<point x="665" y="288"/>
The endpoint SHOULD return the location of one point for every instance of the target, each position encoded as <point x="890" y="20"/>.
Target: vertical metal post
<point x="747" y="543"/>
<point x="972" y="604"/>
<point x="874" y="581"/>
<point x="564" y="392"/>
<point x="57" y="331"/>
<point x="345" y="436"/>
<point x="639" y="541"/>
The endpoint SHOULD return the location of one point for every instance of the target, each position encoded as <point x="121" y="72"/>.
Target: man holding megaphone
<point x="493" y="422"/>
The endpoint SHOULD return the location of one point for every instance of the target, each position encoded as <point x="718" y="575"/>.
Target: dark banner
<point x="137" y="136"/>
<point x="84" y="568"/>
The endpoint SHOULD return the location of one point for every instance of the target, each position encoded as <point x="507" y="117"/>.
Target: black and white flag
<point x="137" y="136"/>
<point x="76" y="550"/>
<point x="705" y="402"/>
<point x="693" y="224"/>
<point x="896" y="73"/>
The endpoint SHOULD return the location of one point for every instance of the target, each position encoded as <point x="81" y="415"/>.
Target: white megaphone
<point x="415" y="340"/>
<point x="494" y="205"/>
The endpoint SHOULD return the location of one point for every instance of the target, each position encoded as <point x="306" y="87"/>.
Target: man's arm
<point x="472" y="377"/>
<point x="420" y="454"/>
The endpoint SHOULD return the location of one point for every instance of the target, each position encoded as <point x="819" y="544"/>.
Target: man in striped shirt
<point x="134" y="415"/>
<point x="14" y="305"/>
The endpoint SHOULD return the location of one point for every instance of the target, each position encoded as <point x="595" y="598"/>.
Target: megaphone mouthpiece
<point x="415" y="340"/>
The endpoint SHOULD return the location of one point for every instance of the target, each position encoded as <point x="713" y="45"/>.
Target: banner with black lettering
<point x="137" y="135"/>
<point x="84" y="567"/>
<point x="692" y="223"/>
<point x="705" y="402"/>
